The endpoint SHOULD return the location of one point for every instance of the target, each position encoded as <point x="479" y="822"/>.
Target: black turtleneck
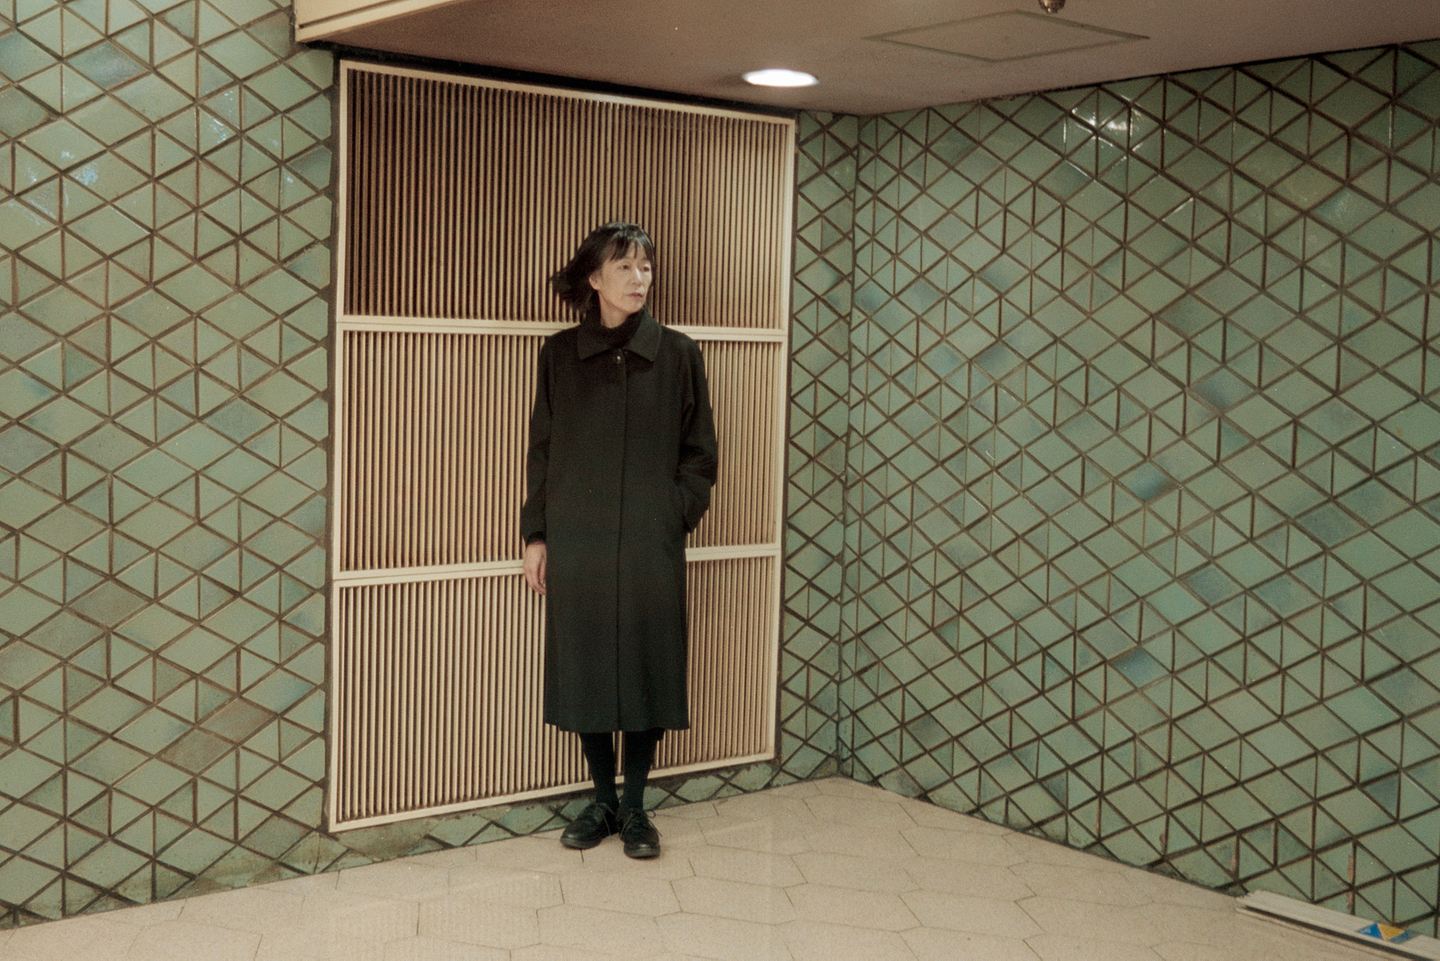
<point x="617" y="336"/>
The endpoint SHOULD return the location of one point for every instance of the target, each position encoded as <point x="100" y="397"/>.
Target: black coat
<point x="621" y="461"/>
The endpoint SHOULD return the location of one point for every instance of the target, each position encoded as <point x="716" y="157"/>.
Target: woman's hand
<point x="535" y="566"/>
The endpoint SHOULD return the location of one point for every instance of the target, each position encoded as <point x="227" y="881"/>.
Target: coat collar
<point x="645" y="341"/>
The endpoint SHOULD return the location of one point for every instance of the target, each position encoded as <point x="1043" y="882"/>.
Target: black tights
<point x="639" y="757"/>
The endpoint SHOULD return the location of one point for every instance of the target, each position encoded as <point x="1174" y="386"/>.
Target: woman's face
<point x="621" y="285"/>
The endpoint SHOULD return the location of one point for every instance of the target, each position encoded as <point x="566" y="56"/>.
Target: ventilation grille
<point x="435" y="447"/>
<point x="746" y="393"/>
<point x="434" y="441"/>
<point x="730" y="612"/>
<point x="458" y="198"/>
<point x="440" y="682"/>
<point x="462" y="197"/>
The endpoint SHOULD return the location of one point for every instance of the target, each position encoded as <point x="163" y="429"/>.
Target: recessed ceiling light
<point x="776" y="77"/>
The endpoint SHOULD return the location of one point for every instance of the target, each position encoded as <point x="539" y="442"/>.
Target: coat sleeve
<point x="537" y="457"/>
<point x="699" y="450"/>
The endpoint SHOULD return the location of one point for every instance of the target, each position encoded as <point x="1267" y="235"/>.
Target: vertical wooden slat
<point x="457" y="210"/>
<point x="437" y="428"/>
<point x="460" y="198"/>
<point x="423" y="662"/>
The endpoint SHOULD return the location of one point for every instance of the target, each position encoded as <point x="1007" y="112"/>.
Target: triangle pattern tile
<point x="821" y="299"/>
<point x="118" y="140"/>
<point x="1224" y="482"/>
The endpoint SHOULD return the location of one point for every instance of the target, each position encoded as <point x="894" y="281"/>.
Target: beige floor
<point x="828" y="870"/>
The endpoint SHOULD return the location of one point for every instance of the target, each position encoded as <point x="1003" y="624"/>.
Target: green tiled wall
<point x="819" y="421"/>
<point x="1143" y="504"/>
<point x="165" y="214"/>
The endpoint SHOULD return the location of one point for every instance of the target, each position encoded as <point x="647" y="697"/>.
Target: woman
<point x="621" y="461"/>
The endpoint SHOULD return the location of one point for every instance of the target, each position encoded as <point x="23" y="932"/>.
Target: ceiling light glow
<point x="777" y="77"/>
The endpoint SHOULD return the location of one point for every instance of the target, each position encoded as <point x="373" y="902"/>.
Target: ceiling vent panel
<point x="1012" y="35"/>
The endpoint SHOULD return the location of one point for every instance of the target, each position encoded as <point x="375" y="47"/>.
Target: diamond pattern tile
<point x="1169" y="407"/>
<point x="821" y="301"/>
<point x="163" y="674"/>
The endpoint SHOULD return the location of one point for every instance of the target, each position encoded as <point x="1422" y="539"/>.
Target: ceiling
<point x="871" y="56"/>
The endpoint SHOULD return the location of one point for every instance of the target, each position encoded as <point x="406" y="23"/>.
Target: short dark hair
<point x="605" y="243"/>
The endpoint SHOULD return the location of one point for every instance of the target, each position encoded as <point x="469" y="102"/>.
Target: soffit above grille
<point x="872" y="56"/>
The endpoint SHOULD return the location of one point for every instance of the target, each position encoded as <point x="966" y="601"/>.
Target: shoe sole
<point x="640" y="852"/>
<point x="580" y="845"/>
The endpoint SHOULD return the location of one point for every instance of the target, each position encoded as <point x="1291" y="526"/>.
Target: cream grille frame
<point x="437" y="645"/>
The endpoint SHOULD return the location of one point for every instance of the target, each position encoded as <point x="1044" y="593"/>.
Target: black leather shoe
<point x="640" y="837"/>
<point x="595" y="824"/>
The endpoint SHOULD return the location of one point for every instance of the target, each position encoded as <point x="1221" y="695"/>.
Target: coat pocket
<point x="677" y="500"/>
